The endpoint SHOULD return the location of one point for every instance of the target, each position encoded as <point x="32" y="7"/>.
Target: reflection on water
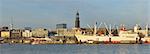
<point x="75" y="49"/>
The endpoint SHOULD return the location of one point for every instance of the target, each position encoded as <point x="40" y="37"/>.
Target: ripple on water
<point x="75" y="49"/>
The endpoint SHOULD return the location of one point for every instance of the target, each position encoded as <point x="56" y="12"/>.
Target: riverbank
<point x="68" y="40"/>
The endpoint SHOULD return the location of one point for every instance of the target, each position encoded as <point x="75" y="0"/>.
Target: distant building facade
<point x="61" y="26"/>
<point x="4" y="28"/>
<point x="27" y="28"/>
<point x="5" y="32"/>
<point x="40" y="32"/>
<point x="60" y="32"/>
<point x="27" y="33"/>
<point x="16" y="33"/>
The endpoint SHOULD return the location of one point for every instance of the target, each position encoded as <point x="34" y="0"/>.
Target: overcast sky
<point x="48" y="13"/>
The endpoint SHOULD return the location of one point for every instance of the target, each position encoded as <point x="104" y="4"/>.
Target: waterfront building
<point x="40" y="32"/>
<point x="61" y="26"/>
<point x="16" y="33"/>
<point x="60" y="32"/>
<point x="27" y="33"/>
<point x="5" y="34"/>
<point x="5" y="28"/>
<point x="81" y="31"/>
<point x="52" y="33"/>
<point x="68" y="32"/>
<point x="27" y="28"/>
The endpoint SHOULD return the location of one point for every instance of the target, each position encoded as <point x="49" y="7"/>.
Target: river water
<point x="75" y="49"/>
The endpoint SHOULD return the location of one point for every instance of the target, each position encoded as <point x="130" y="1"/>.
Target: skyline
<point x="48" y="13"/>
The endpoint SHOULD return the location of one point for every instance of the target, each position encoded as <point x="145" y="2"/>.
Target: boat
<point x="124" y="37"/>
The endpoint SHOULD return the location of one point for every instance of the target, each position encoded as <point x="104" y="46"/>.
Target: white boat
<point x="124" y="37"/>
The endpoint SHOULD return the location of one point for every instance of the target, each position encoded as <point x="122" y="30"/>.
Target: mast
<point x="95" y="29"/>
<point x="146" y="30"/>
<point x="110" y="30"/>
<point x="11" y="24"/>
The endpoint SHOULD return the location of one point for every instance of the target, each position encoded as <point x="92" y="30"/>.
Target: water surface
<point x="75" y="49"/>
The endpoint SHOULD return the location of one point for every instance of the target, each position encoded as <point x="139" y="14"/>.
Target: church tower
<point x="77" y="21"/>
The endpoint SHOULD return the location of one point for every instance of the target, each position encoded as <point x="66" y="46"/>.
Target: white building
<point x="27" y="33"/>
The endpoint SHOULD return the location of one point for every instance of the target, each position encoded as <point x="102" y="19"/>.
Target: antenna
<point x="117" y="29"/>
<point x="11" y="24"/>
<point x="110" y="30"/>
<point x="95" y="29"/>
<point x="146" y="30"/>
